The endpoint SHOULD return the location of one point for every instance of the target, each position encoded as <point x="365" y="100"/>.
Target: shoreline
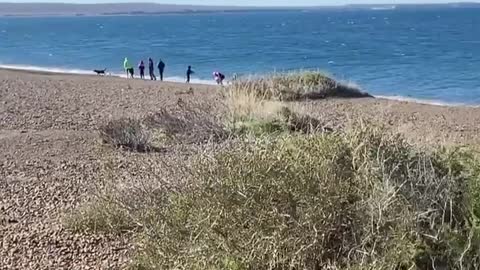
<point x="177" y="80"/>
<point x="80" y="72"/>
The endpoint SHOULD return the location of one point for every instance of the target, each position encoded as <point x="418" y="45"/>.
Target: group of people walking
<point x="129" y="69"/>
<point x="141" y="67"/>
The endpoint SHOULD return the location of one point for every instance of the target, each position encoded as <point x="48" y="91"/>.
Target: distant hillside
<point x="59" y="9"/>
<point x="62" y="9"/>
<point x="413" y="6"/>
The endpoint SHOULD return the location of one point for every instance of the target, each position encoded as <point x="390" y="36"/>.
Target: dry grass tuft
<point x="127" y="133"/>
<point x="251" y="114"/>
<point x="187" y="124"/>
<point x="297" y="86"/>
<point x="303" y="123"/>
<point x="244" y="105"/>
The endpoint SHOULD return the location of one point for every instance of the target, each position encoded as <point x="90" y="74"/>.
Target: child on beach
<point x="151" y="70"/>
<point x="128" y="68"/>
<point x="141" y="67"/>
<point x="189" y="73"/>
<point x="219" y="77"/>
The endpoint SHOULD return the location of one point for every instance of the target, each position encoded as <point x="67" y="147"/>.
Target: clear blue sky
<point x="253" y="2"/>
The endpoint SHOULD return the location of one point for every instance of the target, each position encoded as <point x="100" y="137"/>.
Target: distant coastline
<point x="145" y="9"/>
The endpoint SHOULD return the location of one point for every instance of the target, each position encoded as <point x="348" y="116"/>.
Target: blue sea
<point x="425" y="55"/>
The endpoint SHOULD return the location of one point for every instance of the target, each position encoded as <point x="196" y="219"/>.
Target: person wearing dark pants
<point x="151" y="69"/>
<point x="128" y="68"/>
<point x="161" y="68"/>
<point x="141" y="67"/>
<point x="189" y="73"/>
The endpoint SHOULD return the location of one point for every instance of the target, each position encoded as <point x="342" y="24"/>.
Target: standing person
<point x="141" y="67"/>
<point x="161" y="68"/>
<point x="151" y="69"/>
<point x="189" y="73"/>
<point x="128" y="68"/>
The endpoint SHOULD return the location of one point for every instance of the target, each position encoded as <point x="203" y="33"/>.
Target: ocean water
<point x="429" y="55"/>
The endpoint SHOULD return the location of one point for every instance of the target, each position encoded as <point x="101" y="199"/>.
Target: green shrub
<point x="278" y="121"/>
<point x="363" y="200"/>
<point x="258" y="127"/>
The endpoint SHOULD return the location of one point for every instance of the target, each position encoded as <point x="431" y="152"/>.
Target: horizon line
<point x="249" y="6"/>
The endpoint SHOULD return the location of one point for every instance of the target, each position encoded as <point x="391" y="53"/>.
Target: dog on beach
<point x="100" y="71"/>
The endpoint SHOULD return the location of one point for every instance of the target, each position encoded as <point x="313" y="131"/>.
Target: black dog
<point x="99" y="71"/>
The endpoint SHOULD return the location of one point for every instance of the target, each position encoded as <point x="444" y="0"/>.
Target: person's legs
<point x="161" y="75"/>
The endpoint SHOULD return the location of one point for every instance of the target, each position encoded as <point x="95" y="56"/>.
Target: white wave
<point x="176" y="79"/>
<point x="46" y="69"/>
<point x="193" y="80"/>
<point x="427" y="101"/>
<point x="384" y="8"/>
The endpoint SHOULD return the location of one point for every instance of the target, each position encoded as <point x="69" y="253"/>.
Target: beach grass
<point x="127" y="133"/>
<point x="293" y="196"/>
<point x="297" y="85"/>
<point x="363" y="198"/>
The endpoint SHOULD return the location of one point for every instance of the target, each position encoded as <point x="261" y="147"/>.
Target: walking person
<point x="128" y="68"/>
<point x="161" y="68"/>
<point x="151" y="69"/>
<point x="141" y="67"/>
<point x="189" y="73"/>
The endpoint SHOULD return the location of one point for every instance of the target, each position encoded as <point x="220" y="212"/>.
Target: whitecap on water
<point x="331" y="62"/>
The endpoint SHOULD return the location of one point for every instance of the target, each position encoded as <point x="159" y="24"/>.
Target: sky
<point x="250" y="2"/>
